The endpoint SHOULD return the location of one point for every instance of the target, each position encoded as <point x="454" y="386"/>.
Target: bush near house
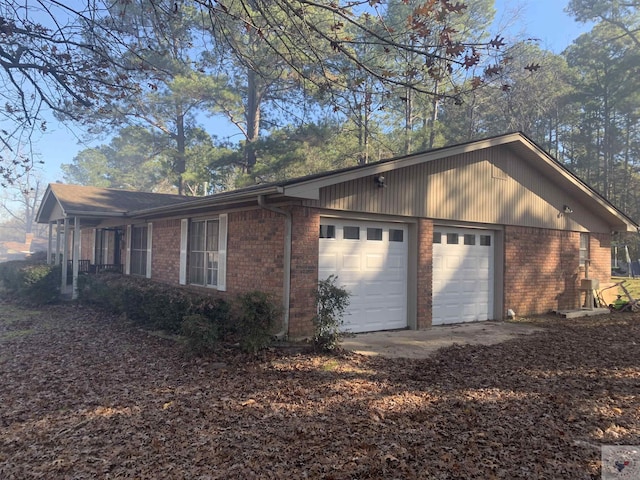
<point x="31" y="281"/>
<point x="202" y="319"/>
<point x="331" y="304"/>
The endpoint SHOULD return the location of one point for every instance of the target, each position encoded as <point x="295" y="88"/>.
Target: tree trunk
<point x="181" y="162"/>
<point x="252" y="110"/>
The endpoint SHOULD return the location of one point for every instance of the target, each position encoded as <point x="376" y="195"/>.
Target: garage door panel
<point x="372" y="268"/>
<point x="351" y="262"/>
<point x="328" y="261"/>
<point x="375" y="262"/>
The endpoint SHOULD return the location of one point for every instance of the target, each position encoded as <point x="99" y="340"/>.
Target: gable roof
<point x="66" y="201"/>
<point x="100" y="202"/>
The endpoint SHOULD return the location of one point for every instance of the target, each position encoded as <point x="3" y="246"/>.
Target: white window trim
<point x="127" y="262"/>
<point x="149" y="248"/>
<point x="222" y="252"/>
<point x="184" y="237"/>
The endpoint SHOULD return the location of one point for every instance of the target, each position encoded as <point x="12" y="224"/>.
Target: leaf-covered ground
<point x="83" y="395"/>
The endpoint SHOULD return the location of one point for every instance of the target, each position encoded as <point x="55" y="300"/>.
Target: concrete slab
<point x="422" y="343"/>
<point x="583" y="312"/>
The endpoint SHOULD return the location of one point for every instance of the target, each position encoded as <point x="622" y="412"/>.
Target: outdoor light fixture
<point x="566" y="209"/>
<point x="380" y="181"/>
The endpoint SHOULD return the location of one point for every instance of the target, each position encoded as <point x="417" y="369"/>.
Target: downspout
<point x="287" y="264"/>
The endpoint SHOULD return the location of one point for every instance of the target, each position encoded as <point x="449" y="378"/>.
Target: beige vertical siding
<point x="492" y="186"/>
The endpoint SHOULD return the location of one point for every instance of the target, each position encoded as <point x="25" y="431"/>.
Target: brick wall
<point x="600" y="256"/>
<point x="255" y="252"/>
<point x="304" y="271"/>
<point x="542" y="271"/>
<point x="165" y="251"/>
<point x="425" y="274"/>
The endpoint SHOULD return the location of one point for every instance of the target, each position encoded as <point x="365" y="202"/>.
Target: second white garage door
<point x="370" y="260"/>
<point x="463" y="275"/>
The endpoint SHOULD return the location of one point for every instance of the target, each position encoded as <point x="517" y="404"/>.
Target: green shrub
<point x="41" y="284"/>
<point x="331" y="303"/>
<point x="201" y="318"/>
<point x="32" y="282"/>
<point x="218" y="311"/>
<point x="9" y="274"/>
<point x="202" y="334"/>
<point x="104" y="291"/>
<point x="255" y="316"/>
<point x="150" y="304"/>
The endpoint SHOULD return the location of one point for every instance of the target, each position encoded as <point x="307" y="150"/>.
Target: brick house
<point x="456" y="234"/>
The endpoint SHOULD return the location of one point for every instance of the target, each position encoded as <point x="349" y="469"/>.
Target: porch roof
<point x="93" y="204"/>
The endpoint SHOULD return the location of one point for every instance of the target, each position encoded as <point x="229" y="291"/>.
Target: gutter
<point x="287" y="264"/>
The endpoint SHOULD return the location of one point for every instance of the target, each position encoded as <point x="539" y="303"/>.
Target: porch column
<point x="65" y="249"/>
<point x="56" y="261"/>
<point x="50" y="244"/>
<point x="76" y="256"/>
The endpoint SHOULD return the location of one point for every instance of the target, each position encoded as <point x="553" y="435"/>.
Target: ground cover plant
<point x="88" y="395"/>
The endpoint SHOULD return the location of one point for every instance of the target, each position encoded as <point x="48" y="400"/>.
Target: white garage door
<point x="370" y="260"/>
<point x="463" y="275"/>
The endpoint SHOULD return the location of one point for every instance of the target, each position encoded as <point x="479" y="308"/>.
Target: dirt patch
<point x="423" y="343"/>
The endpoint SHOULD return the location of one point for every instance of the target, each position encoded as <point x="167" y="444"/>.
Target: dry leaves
<point x="87" y="396"/>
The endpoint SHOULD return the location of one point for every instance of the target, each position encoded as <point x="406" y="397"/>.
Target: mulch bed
<point x="84" y="395"/>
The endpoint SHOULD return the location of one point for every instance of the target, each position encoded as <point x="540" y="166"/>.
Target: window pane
<point x="452" y="238"/>
<point x="212" y="268"/>
<point x="351" y="233"/>
<point x="138" y="262"/>
<point x="212" y="235"/>
<point x="437" y="237"/>
<point x="584" y="241"/>
<point x="138" y="257"/>
<point x="485" y="240"/>
<point x="139" y="237"/>
<point x="196" y="236"/>
<point x="584" y="247"/>
<point x="196" y="268"/>
<point x="469" y="239"/>
<point x="396" y="235"/>
<point x="327" y="231"/>
<point x="374" y="234"/>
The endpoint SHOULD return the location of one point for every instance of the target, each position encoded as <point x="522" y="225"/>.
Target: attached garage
<point x="463" y="275"/>
<point x="370" y="260"/>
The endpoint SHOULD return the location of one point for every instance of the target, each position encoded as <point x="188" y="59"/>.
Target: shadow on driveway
<point x="422" y="343"/>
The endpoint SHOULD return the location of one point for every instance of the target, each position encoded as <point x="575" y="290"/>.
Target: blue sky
<point x="541" y="19"/>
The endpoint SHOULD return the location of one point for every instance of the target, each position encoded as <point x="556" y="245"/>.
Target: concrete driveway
<point x="422" y="343"/>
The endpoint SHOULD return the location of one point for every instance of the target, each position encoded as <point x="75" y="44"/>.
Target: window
<point x="327" y="231"/>
<point x="139" y="249"/>
<point x="203" y="252"/>
<point x="452" y="239"/>
<point x="351" y="233"/>
<point x="584" y="248"/>
<point x="396" y="235"/>
<point x="469" y="239"/>
<point x="374" y="234"/>
<point x="107" y="246"/>
<point x="485" y="240"/>
<point x="437" y="237"/>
